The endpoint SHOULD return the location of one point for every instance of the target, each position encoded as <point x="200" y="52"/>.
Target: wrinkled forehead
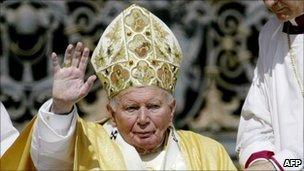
<point x="142" y="93"/>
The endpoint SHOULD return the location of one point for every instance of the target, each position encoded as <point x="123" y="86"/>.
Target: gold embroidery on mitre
<point x="136" y="20"/>
<point x="165" y="75"/>
<point x="140" y="46"/>
<point x="143" y="73"/>
<point x="105" y="81"/>
<point x="119" y="76"/>
<point x="99" y="59"/>
<point x="136" y="49"/>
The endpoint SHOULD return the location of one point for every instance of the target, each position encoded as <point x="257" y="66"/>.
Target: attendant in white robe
<point x="271" y="125"/>
<point x="8" y="132"/>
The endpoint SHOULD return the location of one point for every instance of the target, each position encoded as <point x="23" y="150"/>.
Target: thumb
<point x="85" y="88"/>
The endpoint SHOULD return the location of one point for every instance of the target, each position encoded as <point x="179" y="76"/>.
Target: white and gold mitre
<point x="136" y="49"/>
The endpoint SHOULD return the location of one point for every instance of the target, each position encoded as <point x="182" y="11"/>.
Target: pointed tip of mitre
<point x="135" y="6"/>
<point x="124" y="40"/>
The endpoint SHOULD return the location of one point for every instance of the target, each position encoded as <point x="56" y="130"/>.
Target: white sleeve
<point x="255" y="132"/>
<point x="255" y="137"/>
<point x="53" y="139"/>
<point x="8" y="132"/>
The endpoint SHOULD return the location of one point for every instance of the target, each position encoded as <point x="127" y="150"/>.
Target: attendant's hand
<point x="69" y="85"/>
<point x="261" y="165"/>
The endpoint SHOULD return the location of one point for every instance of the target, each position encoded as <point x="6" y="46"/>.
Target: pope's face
<point x="142" y="116"/>
<point x="285" y="9"/>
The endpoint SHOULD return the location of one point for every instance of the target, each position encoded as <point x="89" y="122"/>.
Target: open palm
<point x="69" y="85"/>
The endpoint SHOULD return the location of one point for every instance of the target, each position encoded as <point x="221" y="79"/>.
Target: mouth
<point x="280" y="10"/>
<point x="146" y="134"/>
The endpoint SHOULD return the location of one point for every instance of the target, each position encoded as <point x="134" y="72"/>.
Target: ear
<point x="172" y="106"/>
<point x="111" y="114"/>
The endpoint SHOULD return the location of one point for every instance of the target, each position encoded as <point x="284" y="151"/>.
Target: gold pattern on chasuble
<point x="140" y="46"/>
<point x="95" y="151"/>
<point x="143" y="72"/>
<point x="137" y="20"/>
<point x="92" y="149"/>
<point x="119" y="76"/>
<point x="165" y="75"/>
<point x="102" y="150"/>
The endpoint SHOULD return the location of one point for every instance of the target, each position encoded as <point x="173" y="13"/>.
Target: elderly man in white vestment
<point x="137" y="60"/>
<point x="271" y="132"/>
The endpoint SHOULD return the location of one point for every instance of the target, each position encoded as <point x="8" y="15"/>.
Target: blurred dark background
<point x="219" y="39"/>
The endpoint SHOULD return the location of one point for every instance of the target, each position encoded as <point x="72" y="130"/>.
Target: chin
<point x="147" y="144"/>
<point x="145" y="148"/>
<point x="283" y="17"/>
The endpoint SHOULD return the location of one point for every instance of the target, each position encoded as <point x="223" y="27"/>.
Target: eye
<point x="153" y="106"/>
<point x="131" y="108"/>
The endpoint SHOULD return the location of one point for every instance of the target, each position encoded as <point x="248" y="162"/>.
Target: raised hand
<point x="69" y="85"/>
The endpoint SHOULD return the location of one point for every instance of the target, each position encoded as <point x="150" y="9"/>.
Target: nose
<point x="143" y="117"/>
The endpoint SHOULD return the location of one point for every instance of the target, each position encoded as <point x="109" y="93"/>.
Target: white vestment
<point x="272" y="115"/>
<point x="8" y="132"/>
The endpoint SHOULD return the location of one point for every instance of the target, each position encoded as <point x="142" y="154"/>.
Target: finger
<point x="68" y="56"/>
<point x="84" y="59"/>
<point x="87" y="85"/>
<point x="55" y="62"/>
<point x="77" y="54"/>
